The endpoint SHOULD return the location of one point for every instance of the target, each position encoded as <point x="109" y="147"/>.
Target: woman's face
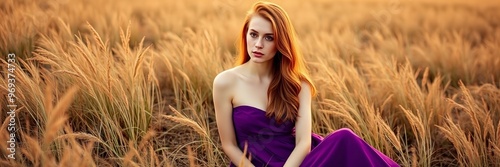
<point x="260" y="40"/>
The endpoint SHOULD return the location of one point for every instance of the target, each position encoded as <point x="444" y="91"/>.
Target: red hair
<point x="288" y="69"/>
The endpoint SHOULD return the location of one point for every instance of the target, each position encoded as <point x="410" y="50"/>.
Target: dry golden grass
<point x="128" y="83"/>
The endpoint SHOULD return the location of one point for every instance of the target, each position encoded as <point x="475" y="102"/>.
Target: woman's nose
<point x="259" y="44"/>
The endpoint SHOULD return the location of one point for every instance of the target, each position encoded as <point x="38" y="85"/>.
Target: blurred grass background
<point x="128" y="83"/>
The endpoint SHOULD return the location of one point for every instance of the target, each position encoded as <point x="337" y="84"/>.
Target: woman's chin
<point x="258" y="59"/>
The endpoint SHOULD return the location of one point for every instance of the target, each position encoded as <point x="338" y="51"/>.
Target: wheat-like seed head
<point x="187" y="122"/>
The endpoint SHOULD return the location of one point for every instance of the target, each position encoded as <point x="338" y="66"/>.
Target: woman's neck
<point x="261" y="71"/>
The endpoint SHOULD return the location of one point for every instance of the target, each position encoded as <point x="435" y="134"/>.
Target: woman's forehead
<point x="260" y="24"/>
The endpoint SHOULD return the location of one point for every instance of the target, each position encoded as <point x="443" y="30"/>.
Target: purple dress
<point x="270" y="143"/>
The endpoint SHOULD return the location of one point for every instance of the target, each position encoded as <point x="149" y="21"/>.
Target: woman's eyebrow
<point x="258" y="32"/>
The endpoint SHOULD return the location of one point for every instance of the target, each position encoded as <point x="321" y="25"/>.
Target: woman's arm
<point x="302" y="128"/>
<point x="223" y="114"/>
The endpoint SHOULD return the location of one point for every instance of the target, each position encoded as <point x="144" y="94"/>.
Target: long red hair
<point x="288" y="69"/>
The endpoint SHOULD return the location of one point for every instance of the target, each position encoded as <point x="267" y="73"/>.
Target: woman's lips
<point x="257" y="54"/>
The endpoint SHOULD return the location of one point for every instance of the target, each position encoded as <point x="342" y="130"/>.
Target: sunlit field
<point x="129" y="83"/>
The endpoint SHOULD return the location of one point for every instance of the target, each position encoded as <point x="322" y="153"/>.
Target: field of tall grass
<point x="128" y="83"/>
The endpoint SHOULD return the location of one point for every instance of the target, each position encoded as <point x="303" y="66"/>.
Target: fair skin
<point x="247" y="84"/>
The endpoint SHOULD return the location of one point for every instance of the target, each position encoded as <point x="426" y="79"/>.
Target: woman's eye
<point x="253" y="34"/>
<point x="269" y="38"/>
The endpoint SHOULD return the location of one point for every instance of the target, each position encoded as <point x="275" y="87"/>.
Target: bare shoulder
<point x="305" y="87"/>
<point x="225" y="79"/>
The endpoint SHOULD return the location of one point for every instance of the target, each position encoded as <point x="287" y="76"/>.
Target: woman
<point x="263" y="105"/>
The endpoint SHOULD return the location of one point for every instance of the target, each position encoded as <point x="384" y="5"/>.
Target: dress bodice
<point x="268" y="142"/>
